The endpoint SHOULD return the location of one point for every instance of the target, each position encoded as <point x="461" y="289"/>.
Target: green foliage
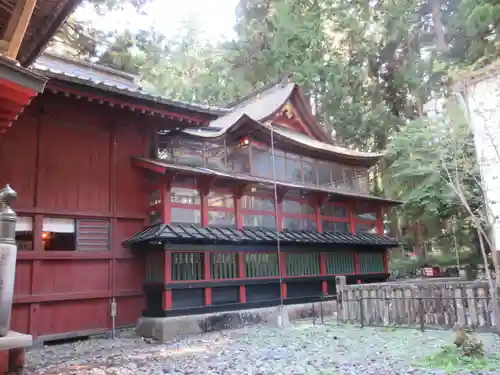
<point x="453" y="360"/>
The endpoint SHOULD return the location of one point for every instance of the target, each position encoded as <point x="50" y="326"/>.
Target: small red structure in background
<point x="431" y="271"/>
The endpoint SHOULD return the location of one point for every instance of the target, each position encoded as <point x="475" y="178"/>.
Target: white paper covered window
<point x="58" y="225"/>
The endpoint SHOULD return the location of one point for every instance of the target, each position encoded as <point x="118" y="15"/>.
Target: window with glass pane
<point x="58" y="234"/>
<point x="324" y="178"/>
<point x="350" y="178"/>
<point x="293" y="223"/>
<point x="184" y="195"/>
<point x="188" y="152"/>
<point x="298" y="208"/>
<point x="293" y="168"/>
<point x="215" y="156"/>
<point x="365" y="213"/>
<point x="263" y="221"/>
<point x="238" y="159"/>
<point x="280" y="168"/>
<point x="250" y="202"/>
<point x="335" y="226"/>
<point x="309" y="171"/>
<point x="365" y="228"/>
<point x="292" y="207"/>
<point x="221" y="219"/>
<point x="24" y="233"/>
<point x="261" y="166"/>
<point x="337" y="174"/>
<point x="363" y="183"/>
<point x="333" y="210"/>
<point x="298" y="223"/>
<point x="223" y="200"/>
<point x="185" y="215"/>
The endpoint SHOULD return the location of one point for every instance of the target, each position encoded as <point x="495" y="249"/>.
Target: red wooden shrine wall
<point x="70" y="158"/>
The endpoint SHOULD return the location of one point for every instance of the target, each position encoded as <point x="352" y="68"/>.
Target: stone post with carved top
<point x="8" y="254"/>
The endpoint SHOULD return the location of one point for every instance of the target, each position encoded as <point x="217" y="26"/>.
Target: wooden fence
<point x="418" y="303"/>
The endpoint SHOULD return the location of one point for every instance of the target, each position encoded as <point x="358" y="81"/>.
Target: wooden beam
<point x="20" y="20"/>
<point x="4" y="46"/>
<point x="15" y="15"/>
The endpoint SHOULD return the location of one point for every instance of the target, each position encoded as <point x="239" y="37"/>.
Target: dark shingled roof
<point x="179" y="234"/>
<point x="103" y="78"/>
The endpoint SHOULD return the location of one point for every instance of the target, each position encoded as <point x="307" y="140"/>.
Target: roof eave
<point x="362" y="160"/>
<point x="63" y="15"/>
<point x="63" y="82"/>
<point x="163" y="167"/>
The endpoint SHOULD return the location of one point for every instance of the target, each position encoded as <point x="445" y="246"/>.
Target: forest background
<point x="371" y="69"/>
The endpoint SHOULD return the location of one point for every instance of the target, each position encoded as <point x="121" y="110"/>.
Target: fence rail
<point x="419" y="304"/>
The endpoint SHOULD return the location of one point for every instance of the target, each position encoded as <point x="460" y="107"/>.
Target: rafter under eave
<point x="16" y="28"/>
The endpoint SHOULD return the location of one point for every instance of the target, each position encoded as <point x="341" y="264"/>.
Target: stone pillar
<point x="8" y="254"/>
<point x="342" y="300"/>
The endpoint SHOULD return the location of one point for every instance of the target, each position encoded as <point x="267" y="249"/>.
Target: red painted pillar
<point x="352" y="227"/>
<point x="241" y="275"/>
<point x="204" y="189"/>
<point x="207" y="276"/>
<point x="238" y="192"/>
<point x="380" y="231"/>
<point x="319" y="227"/>
<point x="322" y="267"/>
<point x="167" y="274"/>
<point x="166" y="216"/>
<point x="283" y="273"/>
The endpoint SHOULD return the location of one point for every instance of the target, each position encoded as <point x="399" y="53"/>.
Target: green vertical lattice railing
<point x="302" y="264"/>
<point x="339" y="262"/>
<point x="371" y="262"/>
<point x="261" y="265"/>
<point x="187" y="266"/>
<point x="223" y="266"/>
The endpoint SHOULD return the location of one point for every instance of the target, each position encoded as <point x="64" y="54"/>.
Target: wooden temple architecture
<point x="131" y="204"/>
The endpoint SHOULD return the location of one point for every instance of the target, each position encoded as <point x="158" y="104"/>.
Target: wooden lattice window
<point x="261" y="265"/>
<point x="223" y="265"/>
<point x="371" y="262"/>
<point x="302" y="264"/>
<point x="339" y="262"/>
<point x="187" y="266"/>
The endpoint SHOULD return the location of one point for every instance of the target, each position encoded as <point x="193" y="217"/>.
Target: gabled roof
<point x="47" y="18"/>
<point x="265" y="102"/>
<point x="178" y="234"/>
<point x="258" y="107"/>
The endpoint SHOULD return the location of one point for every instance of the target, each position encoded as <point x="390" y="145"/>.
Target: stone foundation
<point x="175" y="328"/>
<point x="12" y="352"/>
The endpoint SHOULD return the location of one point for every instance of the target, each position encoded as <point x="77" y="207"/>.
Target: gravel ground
<point x="302" y="349"/>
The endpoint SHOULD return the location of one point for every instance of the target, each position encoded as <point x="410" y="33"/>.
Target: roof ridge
<point x="91" y="65"/>
<point x="259" y="90"/>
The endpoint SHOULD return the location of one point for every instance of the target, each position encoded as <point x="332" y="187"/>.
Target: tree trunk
<point x="438" y="25"/>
